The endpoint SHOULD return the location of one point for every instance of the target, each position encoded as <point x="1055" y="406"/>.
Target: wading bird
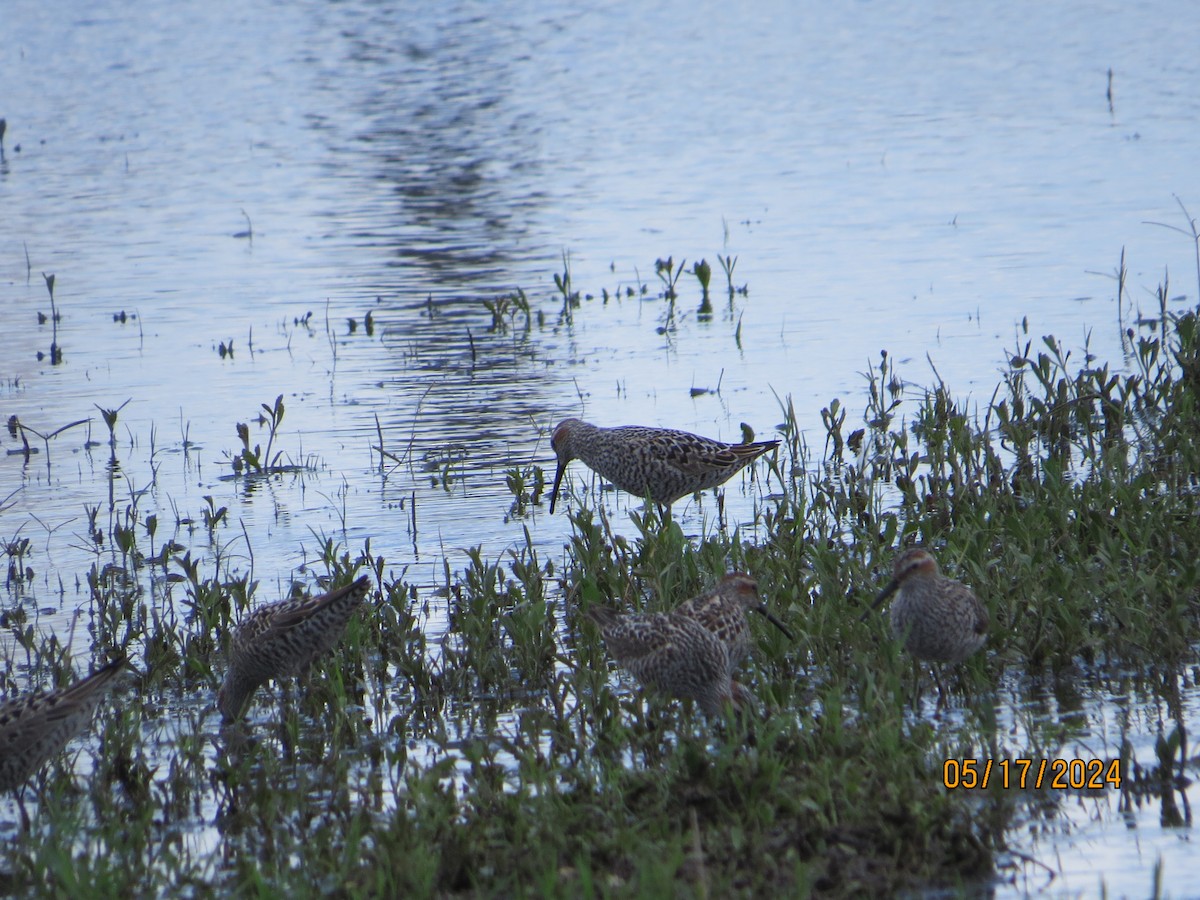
<point x="659" y="463"/>
<point x="723" y="612"/>
<point x="283" y="639"/>
<point x="35" y="727"/>
<point x="937" y="618"/>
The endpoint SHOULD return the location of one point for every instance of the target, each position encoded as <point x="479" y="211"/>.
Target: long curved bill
<point x="770" y="617"/>
<point x="558" y="475"/>
<point x="883" y="595"/>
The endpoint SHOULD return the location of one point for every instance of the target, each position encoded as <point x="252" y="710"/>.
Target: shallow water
<point x="1075" y="843"/>
<point x="887" y="177"/>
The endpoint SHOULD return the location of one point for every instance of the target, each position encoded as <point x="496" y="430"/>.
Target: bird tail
<point x="754" y="449"/>
<point x="102" y="674"/>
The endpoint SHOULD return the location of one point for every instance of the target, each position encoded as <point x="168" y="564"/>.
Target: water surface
<point x="919" y="180"/>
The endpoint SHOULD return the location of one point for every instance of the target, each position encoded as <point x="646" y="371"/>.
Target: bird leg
<point x="21" y="806"/>
<point x="943" y="702"/>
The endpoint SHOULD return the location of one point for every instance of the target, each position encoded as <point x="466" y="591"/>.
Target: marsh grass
<point x="504" y="755"/>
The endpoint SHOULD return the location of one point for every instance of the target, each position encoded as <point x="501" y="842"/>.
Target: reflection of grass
<point x="504" y="309"/>
<point x="668" y="273"/>
<point x="526" y="484"/>
<point x="570" y="296"/>
<point x="256" y="461"/>
<point x="503" y="757"/>
<point x="54" y="319"/>
<point x="17" y="428"/>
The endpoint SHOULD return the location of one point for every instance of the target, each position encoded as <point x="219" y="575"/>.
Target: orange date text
<point x="1055" y="774"/>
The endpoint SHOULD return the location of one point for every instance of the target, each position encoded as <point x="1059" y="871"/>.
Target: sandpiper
<point x="938" y="618"/>
<point x="723" y="612"/>
<point x="672" y="654"/>
<point x="659" y="463"/>
<point x="282" y="639"/>
<point x="36" y="727"/>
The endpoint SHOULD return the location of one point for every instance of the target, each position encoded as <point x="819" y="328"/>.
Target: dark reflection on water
<point x="1108" y="834"/>
<point x="452" y="158"/>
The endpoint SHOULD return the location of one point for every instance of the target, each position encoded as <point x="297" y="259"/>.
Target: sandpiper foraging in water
<point x="938" y="619"/>
<point x="723" y="612"/>
<point x="673" y="654"/>
<point x="35" y="727"/>
<point x="659" y="463"/>
<point x="284" y="638"/>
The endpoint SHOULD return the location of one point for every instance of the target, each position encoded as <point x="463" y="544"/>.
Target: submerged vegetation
<point x="504" y="758"/>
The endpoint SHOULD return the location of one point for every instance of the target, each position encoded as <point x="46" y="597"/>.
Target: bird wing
<point x="696" y="455"/>
<point x="277" y="619"/>
<point x="709" y="611"/>
<point x="33" y="726"/>
<point x="288" y="635"/>
<point x="632" y="638"/>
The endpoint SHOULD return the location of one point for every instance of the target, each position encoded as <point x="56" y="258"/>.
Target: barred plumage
<point x="670" y="653"/>
<point x="723" y="612"/>
<point x="659" y="463"/>
<point x="36" y="727"/>
<point x="283" y="639"/>
<point x="937" y="618"/>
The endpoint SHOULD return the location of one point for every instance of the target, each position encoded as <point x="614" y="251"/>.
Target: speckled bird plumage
<point x="659" y="463"/>
<point x="283" y="639"/>
<point x="672" y="654"/>
<point x="723" y="612"/>
<point x="938" y="618"/>
<point x="36" y="727"/>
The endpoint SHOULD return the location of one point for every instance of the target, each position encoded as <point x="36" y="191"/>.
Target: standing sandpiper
<point x="937" y="618"/>
<point x="672" y="654"/>
<point x="282" y="639"/>
<point x="35" y="727"/>
<point x="658" y="463"/>
<point x="723" y="612"/>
